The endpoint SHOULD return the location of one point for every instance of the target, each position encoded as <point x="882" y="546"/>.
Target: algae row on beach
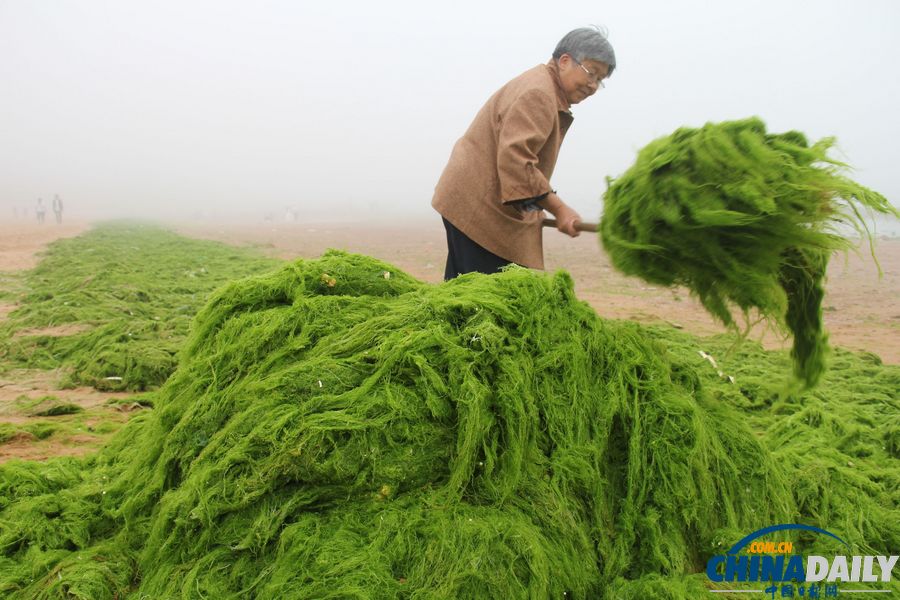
<point x="333" y="428"/>
<point x="127" y="292"/>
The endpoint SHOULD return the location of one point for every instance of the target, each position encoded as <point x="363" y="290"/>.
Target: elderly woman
<point x="493" y="189"/>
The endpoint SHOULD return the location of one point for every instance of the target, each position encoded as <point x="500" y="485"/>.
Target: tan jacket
<point x="507" y="154"/>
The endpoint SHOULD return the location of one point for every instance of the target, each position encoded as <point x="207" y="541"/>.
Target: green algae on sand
<point x="334" y="433"/>
<point x="128" y="291"/>
<point x="379" y="437"/>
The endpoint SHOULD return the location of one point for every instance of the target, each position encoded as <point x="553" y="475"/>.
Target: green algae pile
<point x="128" y="292"/>
<point x="337" y="429"/>
<point x="747" y="220"/>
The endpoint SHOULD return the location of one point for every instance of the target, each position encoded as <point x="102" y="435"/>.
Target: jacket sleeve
<point x="524" y="129"/>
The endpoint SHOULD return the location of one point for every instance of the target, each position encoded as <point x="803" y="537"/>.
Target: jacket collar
<point x="561" y="102"/>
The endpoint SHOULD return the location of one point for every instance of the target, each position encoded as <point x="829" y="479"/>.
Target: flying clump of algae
<point x="363" y="436"/>
<point x="745" y="219"/>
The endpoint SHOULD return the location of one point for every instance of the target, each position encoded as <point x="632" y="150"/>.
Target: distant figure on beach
<point x="40" y="209"/>
<point x="57" y="208"/>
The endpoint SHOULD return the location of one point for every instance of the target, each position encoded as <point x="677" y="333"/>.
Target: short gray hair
<point x="587" y="43"/>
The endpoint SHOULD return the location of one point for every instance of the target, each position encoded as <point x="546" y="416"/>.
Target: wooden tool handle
<point x="579" y="226"/>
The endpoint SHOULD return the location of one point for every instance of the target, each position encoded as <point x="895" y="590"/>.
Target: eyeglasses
<point x="594" y="77"/>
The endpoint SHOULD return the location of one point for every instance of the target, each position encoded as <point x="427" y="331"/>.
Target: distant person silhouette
<point x="57" y="208"/>
<point x="40" y="209"/>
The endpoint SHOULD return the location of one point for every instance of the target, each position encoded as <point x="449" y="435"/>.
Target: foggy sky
<point x="349" y="111"/>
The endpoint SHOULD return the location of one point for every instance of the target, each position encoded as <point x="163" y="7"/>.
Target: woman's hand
<point x="566" y="220"/>
<point x="566" y="217"/>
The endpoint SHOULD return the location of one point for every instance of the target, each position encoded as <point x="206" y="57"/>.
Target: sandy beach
<point x="862" y="310"/>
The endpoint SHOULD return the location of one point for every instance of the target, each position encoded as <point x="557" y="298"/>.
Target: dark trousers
<point x="465" y="256"/>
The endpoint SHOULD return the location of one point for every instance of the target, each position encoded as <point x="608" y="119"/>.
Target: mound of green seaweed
<point x="128" y="291"/>
<point x="336" y="429"/>
<point x="743" y="218"/>
<point x="836" y="444"/>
